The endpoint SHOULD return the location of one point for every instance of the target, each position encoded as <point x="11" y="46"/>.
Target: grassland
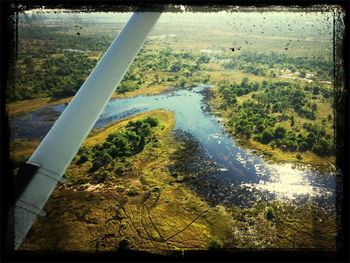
<point x="145" y="208"/>
<point x="26" y="106"/>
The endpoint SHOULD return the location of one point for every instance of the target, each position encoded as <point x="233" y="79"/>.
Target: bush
<point x="267" y="136"/>
<point x="259" y="128"/>
<point x="152" y="121"/>
<point x="299" y="157"/>
<point x="215" y="243"/>
<point x="102" y="177"/>
<point x="279" y="132"/>
<point x="123" y="244"/>
<point x="120" y="188"/>
<point x="291" y="145"/>
<point x="304" y="146"/>
<point x="84" y="158"/>
<point x="323" y="147"/>
<point x="102" y="159"/>
<point x="302" y="74"/>
<point x="133" y="191"/>
<point x="270" y="214"/>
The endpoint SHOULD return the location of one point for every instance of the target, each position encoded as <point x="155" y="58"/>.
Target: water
<point x="241" y="176"/>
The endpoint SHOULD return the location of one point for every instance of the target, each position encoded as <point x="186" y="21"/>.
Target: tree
<point x="292" y="121"/>
<point x="279" y="132"/>
<point x="83" y="158"/>
<point x="259" y="128"/>
<point x="228" y="94"/>
<point x="267" y="136"/>
<point x="314" y="107"/>
<point x="102" y="177"/>
<point x="323" y="147"/>
<point x="310" y="139"/>
<point x="299" y="157"/>
<point x="175" y="67"/>
<point x="276" y="107"/>
<point x="152" y="121"/>
<point x="316" y="90"/>
<point x="29" y="65"/>
<point x="255" y="86"/>
<point x="302" y="74"/>
<point x="215" y="243"/>
<point x="102" y="159"/>
<point x="264" y="84"/>
<point x="244" y="82"/>
<point x="290" y="144"/>
<point x="303" y="146"/>
<point x="240" y="92"/>
<point x="203" y="59"/>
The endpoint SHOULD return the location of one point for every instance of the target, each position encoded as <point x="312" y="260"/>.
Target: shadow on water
<point x="202" y="174"/>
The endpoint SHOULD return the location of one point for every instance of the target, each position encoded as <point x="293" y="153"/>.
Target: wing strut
<point x="62" y="142"/>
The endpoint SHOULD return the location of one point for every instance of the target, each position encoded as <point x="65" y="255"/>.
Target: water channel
<point x="240" y="173"/>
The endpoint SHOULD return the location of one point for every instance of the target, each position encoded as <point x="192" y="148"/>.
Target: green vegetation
<point x="120" y="191"/>
<point x="174" y="68"/>
<point x="50" y="76"/>
<point x="61" y="74"/>
<point x="123" y="143"/>
<point x="269" y="114"/>
<point x="148" y="210"/>
<point x="215" y="243"/>
<point x="264" y="64"/>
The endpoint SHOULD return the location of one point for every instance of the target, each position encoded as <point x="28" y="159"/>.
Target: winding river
<point x="241" y="175"/>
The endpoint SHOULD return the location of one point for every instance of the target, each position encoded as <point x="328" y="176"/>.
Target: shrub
<point x="270" y="214"/>
<point x="259" y="128"/>
<point x="152" y="121"/>
<point x="123" y="244"/>
<point x="291" y="145"/>
<point x="120" y="188"/>
<point x="302" y="74"/>
<point x="299" y="157"/>
<point x="102" y="177"/>
<point x="101" y="159"/>
<point x="215" y="243"/>
<point x="323" y="147"/>
<point x="133" y="191"/>
<point x="84" y="158"/>
<point x="303" y="146"/>
<point x="267" y="136"/>
<point x="279" y="132"/>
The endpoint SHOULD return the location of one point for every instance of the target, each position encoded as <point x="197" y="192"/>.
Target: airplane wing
<point x="62" y="142"/>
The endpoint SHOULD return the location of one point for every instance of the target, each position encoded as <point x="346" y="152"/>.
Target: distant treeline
<point x="50" y="76"/>
<point x="179" y="68"/>
<point x="61" y="75"/>
<point x="261" y="64"/>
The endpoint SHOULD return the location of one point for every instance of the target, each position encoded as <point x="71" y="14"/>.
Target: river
<point x="242" y="176"/>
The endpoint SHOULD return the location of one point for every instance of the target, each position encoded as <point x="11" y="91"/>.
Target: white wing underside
<point x="60" y="145"/>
